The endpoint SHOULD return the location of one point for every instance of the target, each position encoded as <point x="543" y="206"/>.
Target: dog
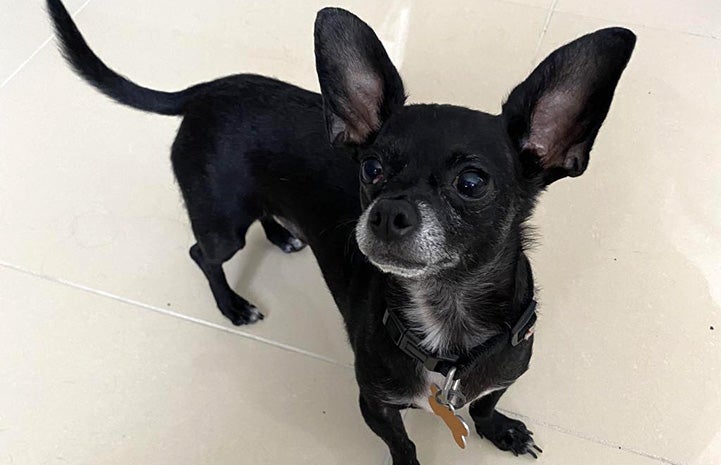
<point x="416" y="214"/>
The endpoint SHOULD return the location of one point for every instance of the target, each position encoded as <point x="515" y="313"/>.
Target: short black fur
<point x="435" y="228"/>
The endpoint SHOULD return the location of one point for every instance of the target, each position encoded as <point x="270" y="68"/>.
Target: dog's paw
<point x="240" y="312"/>
<point x="284" y="240"/>
<point x="509" y="435"/>
<point x="292" y="244"/>
<point x="281" y="237"/>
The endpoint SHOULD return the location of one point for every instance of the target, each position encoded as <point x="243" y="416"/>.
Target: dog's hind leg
<point x="211" y="251"/>
<point x="281" y="237"/>
<point x="221" y="202"/>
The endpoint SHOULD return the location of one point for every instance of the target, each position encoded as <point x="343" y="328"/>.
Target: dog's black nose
<point x="392" y="219"/>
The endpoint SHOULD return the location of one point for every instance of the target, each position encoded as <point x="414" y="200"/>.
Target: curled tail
<point x="87" y="64"/>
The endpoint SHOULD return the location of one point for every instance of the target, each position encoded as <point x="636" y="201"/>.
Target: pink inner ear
<point x="555" y="127"/>
<point x="365" y="93"/>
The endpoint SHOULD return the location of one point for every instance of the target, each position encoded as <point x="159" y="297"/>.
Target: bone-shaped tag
<point x="455" y="423"/>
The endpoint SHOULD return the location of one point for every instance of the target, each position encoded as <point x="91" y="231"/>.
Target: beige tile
<point x="693" y="16"/>
<point x="534" y="3"/>
<point x="460" y="55"/>
<point x="90" y="380"/>
<point x="23" y="28"/>
<point x="629" y="262"/>
<point x="435" y="446"/>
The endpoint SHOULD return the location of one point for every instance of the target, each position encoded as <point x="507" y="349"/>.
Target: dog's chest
<point x="439" y="313"/>
<point x="430" y="378"/>
<point x="442" y="315"/>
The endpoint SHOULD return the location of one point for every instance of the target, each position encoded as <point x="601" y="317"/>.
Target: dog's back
<point x="249" y="148"/>
<point x="231" y="127"/>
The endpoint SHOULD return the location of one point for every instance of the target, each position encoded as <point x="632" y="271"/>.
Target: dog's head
<point x="443" y="184"/>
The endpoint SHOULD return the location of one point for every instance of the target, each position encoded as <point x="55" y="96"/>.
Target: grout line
<point x="709" y="35"/>
<point x="551" y="9"/>
<point x="38" y="50"/>
<point x="177" y="315"/>
<point x="590" y="438"/>
<point x="522" y="3"/>
<point x="22" y="65"/>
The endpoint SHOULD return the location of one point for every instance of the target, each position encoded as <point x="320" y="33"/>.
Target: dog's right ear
<point x="553" y="117"/>
<point x="361" y="88"/>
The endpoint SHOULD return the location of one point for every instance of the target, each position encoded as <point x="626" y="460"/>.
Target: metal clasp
<point x="451" y="394"/>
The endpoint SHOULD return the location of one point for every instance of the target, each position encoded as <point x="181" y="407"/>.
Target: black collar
<point x="410" y="343"/>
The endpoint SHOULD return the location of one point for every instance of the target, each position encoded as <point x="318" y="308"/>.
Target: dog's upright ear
<point x="553" y="117"/>
<point x="360" y="85"/>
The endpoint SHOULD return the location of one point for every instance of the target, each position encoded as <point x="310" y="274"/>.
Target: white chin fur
<point x="399" y="271"/>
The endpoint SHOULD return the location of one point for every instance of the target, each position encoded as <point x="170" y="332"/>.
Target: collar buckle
<point x="411" y="345"/>
<point x="524" y="327"/>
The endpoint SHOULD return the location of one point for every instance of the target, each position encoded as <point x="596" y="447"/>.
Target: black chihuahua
<point x="424" y="250"/>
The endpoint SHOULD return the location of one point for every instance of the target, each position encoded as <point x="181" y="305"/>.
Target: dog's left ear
<point x="553" y="117"/>
<point x="360" y="85"/>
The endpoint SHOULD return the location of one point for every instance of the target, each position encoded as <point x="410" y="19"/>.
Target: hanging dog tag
<point x="455" y="423"/>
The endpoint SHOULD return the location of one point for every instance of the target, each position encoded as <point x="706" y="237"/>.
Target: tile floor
<point x="111" y="350"/>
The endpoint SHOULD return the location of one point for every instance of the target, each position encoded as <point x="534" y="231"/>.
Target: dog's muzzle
<point x="403" y="238"/>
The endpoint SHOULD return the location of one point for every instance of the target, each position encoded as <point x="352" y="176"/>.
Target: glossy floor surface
<point x="111" y="349"/>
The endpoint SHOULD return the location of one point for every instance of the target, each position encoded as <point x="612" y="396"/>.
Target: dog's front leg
<point x="387" y="423"/>
<point x="506" y="433"/>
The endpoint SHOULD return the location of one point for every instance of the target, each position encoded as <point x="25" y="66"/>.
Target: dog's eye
<point x="470" y="183"/>
<point x="371" y="171"/>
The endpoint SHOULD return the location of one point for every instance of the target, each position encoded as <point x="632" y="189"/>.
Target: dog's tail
<point x="87" y="64"/>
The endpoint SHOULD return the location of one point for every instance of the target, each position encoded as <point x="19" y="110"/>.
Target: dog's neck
<point x="464" y="307"/>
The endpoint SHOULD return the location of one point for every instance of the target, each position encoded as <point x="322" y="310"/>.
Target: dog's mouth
<point x="409" y="269"/>
<point x="403" y="268"/>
